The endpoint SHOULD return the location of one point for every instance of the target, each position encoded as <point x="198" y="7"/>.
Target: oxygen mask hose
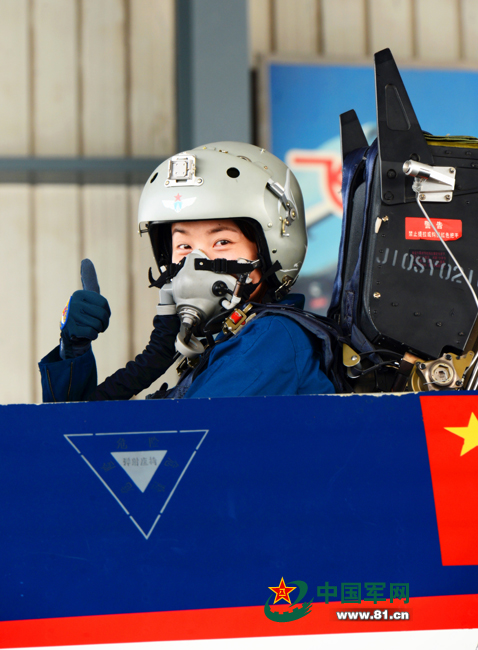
<point x="194" y="292"/>
<point x="187" y="343"/>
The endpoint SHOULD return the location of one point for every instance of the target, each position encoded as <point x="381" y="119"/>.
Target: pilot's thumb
<point x="88" y="276"/>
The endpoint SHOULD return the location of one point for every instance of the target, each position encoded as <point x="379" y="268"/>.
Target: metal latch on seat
<point x="431" y="183"/>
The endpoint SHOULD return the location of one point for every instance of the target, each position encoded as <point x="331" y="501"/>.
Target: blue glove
<point x="86" y="314"/>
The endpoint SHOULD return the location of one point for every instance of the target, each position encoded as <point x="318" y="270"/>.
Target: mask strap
<point x="250" y="288"/>
<point x="229" y="267"/>
<point x="167" y="273"/>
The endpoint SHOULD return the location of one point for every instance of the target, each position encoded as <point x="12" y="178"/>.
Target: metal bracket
<point x="287" y="282"/>
<point x="186" y="363"/>
<point x="350" y="358"/>
<point x="352" y="361"/>
<point x="444" y="373"/>
<point x="431" y="183"/>
<point x="182" y="171"/>
<point x="286" y="199"/>
<point x="236" y="321"/>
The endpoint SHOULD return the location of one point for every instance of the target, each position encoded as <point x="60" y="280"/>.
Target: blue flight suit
<point x="271" y="355"/>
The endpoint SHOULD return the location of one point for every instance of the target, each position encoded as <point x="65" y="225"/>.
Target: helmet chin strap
<point x="244" y="286"/>
<point x="250" y="288"/>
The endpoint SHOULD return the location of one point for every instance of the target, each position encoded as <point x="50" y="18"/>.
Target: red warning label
<point x="418" y="228"/>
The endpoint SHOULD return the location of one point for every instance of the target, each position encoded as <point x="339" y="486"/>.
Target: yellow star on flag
<point x="469" y="434"/>
<point x="282" y="592"/>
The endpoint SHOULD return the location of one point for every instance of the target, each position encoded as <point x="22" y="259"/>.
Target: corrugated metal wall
<point x="425" y="30"/>
<point x="96" y="78"/>
<point x="78" y="78"/>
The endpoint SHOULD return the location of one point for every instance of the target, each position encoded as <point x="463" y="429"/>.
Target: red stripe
<point x="433" y="613"/>
<point x="311" y="160"/>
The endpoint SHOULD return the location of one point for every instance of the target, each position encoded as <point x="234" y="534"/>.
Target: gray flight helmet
<point x="230" y="180"/>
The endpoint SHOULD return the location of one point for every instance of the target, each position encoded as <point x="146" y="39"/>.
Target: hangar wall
<point x="89" y="78"/>
<point x="425" y="30"/>
<point x="96" y="78"/>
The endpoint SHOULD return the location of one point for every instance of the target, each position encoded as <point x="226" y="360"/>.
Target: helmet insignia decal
<point x="179" y="204"/>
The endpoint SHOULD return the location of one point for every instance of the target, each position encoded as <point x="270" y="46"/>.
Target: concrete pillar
<point x="213" y="79"/>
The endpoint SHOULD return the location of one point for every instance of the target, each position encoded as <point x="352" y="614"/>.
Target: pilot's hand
<point x="86" y="314"/>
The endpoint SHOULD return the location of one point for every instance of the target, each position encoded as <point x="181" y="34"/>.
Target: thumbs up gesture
<point x="85" y="315"/>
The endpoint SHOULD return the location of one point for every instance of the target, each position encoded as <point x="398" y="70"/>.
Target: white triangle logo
<point x="140" y="465"/>
<point x="155" y="472"/>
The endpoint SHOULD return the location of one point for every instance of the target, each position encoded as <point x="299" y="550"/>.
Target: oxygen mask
<point x="202" y="289"/>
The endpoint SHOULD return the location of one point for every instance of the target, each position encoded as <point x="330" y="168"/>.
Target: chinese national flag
<point x="451" y="427"/>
